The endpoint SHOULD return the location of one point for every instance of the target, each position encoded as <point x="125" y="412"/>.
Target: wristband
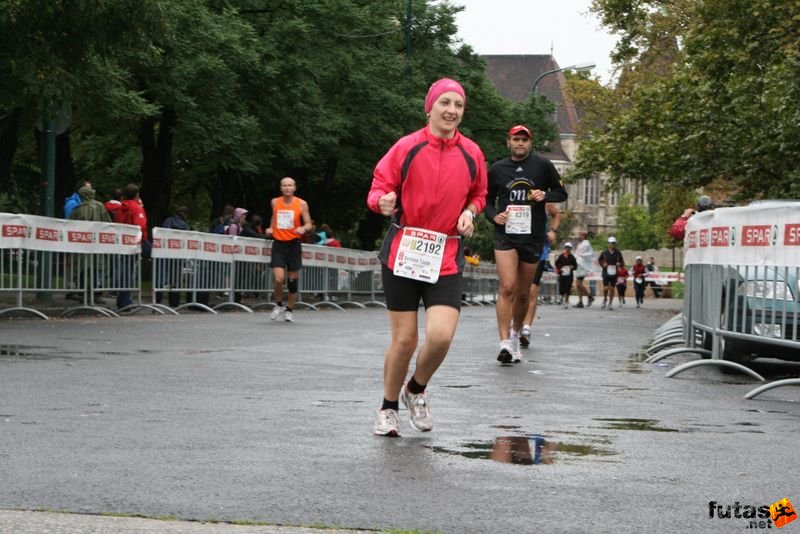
<point x="470" y="212"/>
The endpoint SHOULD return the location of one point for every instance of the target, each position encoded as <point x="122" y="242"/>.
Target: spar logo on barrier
<point x="791" y="235"/>
<point x="49" y="234"/>
<point x="193" y="244"/>
<point x="691" y="239"/>
<point x="759" y="235"/>
<point x="107" y="238"/>
<point x="84" y="238"/>
<point x="16" y="230"/>
<point x="722" y="236"/>
<point x="130" y="239"/>
<point x="705" y="237"/>
<point x="777" y="515"/>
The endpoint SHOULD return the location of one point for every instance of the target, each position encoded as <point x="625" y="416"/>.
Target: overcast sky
<point x="533" y="27"/>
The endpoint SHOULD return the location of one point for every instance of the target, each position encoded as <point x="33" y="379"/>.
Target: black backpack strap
<point x="473" y="168"/>
<point x="403" y="173"/>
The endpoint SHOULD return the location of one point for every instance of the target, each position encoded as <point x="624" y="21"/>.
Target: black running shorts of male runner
<point x="528" y="252"/>
<point x="287" y="254"/>
<point x="609" y="280"/>
<point x="404" y="294"/>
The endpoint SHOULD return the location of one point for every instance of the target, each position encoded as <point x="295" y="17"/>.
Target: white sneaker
<point x="289" y="317"/>
<point x="419" y="413"/>
<point x="506" y="352"/>
<point x="387" y="423"/>
<point x="276" y="311"/>
<point x="516" y="354"/>
<point x="525" y="336"/>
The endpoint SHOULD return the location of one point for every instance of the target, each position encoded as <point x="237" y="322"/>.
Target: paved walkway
<point x="238" y="419"/>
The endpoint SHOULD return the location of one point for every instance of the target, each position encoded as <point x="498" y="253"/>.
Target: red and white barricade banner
<point x="763" y="233"/>
<point x="34" y="232"/>
<point x="342" y="258"/>
<point x="178" y="244"/>
<point x="188" y="245"/>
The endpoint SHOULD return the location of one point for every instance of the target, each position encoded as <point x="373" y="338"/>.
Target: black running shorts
<point x="287" y="254"/>
<point x="528" y="251"/>
<point x="404" y="294"/>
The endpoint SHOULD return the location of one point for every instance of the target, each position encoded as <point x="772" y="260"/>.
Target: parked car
<point x="761" y="308"/>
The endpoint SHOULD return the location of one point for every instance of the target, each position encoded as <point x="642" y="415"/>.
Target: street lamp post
<point x="578" y="66"/>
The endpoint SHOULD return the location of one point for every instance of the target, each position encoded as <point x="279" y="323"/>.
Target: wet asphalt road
<point x="237" y="418"/>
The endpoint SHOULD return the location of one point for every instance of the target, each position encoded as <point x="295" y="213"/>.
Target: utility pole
<point x="409" y="18"/>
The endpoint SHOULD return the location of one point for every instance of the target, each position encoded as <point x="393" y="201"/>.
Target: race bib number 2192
<point x="420" y="254"/>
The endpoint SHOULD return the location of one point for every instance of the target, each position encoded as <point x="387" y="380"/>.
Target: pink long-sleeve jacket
<point x="435" y="179"/>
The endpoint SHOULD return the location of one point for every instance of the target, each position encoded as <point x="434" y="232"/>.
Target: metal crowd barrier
<point x="548" y="288"/>
<point x="41" y="257"/>
<point x="200" y="264"/>
<point x="742" y="290"/>
<point x="91" y="262"/>
<point x="480" y="285"/>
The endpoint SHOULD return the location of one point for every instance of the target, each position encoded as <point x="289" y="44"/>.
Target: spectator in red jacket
<point x="678" y="229"/>
<point x="131" y="212"/>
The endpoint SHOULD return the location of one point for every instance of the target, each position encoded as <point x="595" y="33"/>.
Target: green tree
<point x="206" y="102"/>
<point x="721" y="106"/>
<point x="635" y="228"/>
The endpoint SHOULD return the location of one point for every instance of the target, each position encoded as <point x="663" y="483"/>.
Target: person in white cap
<point x="639" y="272"/>
<point x="566" y="264"/>
<point x="609" y="259"/>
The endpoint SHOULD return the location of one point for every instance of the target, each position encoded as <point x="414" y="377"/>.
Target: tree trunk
<point x="9" y="128"/>
<point x="156" y="136"/>
<point x="66" y="182"/>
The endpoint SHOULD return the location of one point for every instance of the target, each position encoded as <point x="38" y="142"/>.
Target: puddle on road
<point x="648" y="425"/>
<point x="633" y="364"/>
<point x="533" y="449"/>
<point x="32" y="352"/>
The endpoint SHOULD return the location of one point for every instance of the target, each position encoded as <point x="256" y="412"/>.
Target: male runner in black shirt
<point x="608" y="260"/>
<point x="519" y="186"/>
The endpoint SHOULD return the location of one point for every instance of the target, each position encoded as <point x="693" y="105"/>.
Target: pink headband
<point x="442" y="86"/>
